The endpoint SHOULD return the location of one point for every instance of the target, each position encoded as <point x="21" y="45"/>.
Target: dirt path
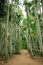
<point x="23" y="59"/>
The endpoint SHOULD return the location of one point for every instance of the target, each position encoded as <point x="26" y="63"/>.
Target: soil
<point x="24" y="58"/>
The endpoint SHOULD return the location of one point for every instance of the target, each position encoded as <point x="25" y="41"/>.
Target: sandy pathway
<point x="23" y="59"/>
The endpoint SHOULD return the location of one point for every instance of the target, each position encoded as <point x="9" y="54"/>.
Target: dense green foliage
<point x="18" y="32"/>
<point x="3" y="9"/>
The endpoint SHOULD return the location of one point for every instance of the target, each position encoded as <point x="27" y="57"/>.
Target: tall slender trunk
<point x="38" y="30"/>
<point x="42" y="23"/>
<point x="6" y="37"/>
<point x="10" y="24"/>
<point x="29" y="31"/>
<point x="0" y="36"/>
<point x="3" y="36"/>
<point x="17" y="39"/>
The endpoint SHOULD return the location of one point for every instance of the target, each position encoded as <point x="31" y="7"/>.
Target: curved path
<point x="23" y="59"/>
